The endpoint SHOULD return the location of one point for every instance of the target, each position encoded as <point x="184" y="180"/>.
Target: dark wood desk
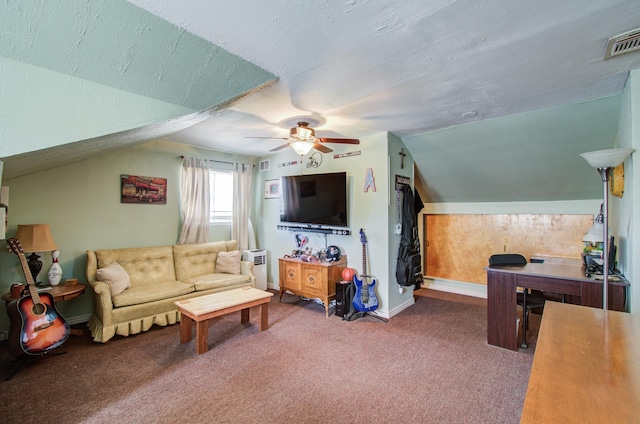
<point x="563" y="279"/>
<point x="586" y="367"/>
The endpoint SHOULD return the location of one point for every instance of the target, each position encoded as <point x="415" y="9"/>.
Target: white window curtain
<point x="241" y="204"/>
<point x="195" y="201"/>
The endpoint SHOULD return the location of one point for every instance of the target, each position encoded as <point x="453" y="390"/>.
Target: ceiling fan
<point x="303" y="139"/>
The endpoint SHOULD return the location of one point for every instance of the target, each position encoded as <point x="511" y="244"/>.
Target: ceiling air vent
<point x="623" y="43"/>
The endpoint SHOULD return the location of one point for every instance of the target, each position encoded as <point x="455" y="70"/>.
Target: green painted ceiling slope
<point x="521" y="157"/>
<point x="74" y="70"/>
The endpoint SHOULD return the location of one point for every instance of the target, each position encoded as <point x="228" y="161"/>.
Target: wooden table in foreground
<point x="204" y="308"/>
<point x="586" y="368"/>
<point x="562" y="279"/>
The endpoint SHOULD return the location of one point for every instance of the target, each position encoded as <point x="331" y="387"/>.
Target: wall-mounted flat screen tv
<point x="318" y="199"/>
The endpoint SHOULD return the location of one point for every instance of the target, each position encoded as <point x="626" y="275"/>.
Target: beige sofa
<point x="158" y="277"/>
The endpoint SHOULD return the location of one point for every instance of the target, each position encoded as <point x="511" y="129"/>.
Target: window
<point x="221" y="186"/>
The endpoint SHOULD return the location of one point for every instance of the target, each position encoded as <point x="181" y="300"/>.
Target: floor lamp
<point x="604" y="161"/>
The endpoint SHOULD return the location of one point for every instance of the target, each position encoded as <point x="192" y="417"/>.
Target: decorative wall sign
<point x="346" y="155"/>
<point x="369" y="181"/>
<point x="402" y="180"/>
<point x="146" y="190"/>
<point x="616" y="180"/>
<point x="283" y="164"/>
<point x="272" y="189"/>
<point x="314" y="160"/>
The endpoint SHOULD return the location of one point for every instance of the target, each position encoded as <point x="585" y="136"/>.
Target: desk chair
<point x="530" y="300"/>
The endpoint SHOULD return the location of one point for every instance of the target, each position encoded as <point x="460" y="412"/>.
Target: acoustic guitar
<point x="36" y="325"/>
<point x="364" y="299"/>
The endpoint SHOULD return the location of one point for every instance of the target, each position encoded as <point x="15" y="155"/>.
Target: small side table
<point x="60" y="292"/>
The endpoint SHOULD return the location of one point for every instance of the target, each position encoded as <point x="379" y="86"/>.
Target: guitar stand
<point x="367" y="314"/>
<point x="25" y="358"/>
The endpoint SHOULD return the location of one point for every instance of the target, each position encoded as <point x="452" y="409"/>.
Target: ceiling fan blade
<point x="323" y="149"/>
<point x="270" y="138"/>
<point x="279" y="147"/>
<point x="339" y="140"/>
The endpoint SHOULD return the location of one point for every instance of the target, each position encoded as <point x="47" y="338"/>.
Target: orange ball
<point x="348" y="273"/>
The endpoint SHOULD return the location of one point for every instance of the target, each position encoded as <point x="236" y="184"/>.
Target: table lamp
<point x="35" y="238"/>
<point x="604" y="161"/>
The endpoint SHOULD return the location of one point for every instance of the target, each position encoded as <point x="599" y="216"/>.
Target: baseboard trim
<point x="395" y="311"/>
<point x="457" y="287"/>
<point x="79" y="319"/>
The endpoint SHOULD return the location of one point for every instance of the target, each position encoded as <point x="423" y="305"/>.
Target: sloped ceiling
<point x="81" y="78"/>
<point x="455" y="79"/>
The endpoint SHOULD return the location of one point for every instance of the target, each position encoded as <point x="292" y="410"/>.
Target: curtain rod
<point x="223" y="161"/>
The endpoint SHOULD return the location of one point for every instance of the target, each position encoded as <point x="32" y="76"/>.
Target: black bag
<point x="351" y="314"/>
<point x="409" y="263"/>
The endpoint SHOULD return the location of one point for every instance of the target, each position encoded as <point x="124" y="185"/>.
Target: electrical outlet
<point x="398" y="229"/>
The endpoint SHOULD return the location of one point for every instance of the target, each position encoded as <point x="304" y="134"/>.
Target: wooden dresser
<point x="311" y="279"/>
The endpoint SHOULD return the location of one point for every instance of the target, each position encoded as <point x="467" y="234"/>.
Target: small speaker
<point x="342" y="303"/>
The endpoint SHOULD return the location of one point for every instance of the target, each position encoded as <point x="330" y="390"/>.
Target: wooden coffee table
<point x="204" y="308"/>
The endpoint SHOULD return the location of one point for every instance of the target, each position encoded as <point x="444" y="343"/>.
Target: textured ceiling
<point x="412" y="66"/>
<point x="431" y="72"/>
<point x="436" y="73"/>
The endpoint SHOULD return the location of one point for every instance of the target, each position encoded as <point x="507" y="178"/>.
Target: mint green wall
<point x="43" y="108"/>
<point x="73" y="70"/>
<point x="366" y="210"/>
<point x="117" y="44"/>
<point x="624" y="221"/>
<point x="81" y="203"/>
<point x="398" y="297"/>
<point x="469" y="162"/>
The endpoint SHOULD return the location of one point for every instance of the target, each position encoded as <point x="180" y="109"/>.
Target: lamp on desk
<point x="35" y="238"/>
<point x="604" y="161"/>
<point x="594" y="235"/>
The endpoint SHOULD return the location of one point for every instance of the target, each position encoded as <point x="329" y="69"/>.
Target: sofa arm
<point x="246" y="268"/>
<point x="102" y="303"/>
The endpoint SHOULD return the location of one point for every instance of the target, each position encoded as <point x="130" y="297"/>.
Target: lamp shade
<point x="36" y="238"/>
<point x="606" y="158"/>
<point x="302" y="147"/>
<point x="594" y="235"/>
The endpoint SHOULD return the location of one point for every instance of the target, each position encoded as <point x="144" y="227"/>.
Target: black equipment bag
<point x="409" y="263"/>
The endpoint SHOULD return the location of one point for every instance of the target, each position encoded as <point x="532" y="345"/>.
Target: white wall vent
<point x="265" y="165"/>
<point x="623" y="43"/>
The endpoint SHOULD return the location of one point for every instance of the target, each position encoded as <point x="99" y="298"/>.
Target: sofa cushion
<point x="143" y="294"/>
<point x="116" y="278"/>
<point x="229" y="262"/>
<point x="196" y="259"/>
<point x="145" y="265"/>
<point x="214" y="281"/>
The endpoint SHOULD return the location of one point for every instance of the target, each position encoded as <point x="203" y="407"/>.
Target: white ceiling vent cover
<point x="623" y="43"/>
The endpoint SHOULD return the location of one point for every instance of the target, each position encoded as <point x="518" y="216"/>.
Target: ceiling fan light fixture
<point x="302" y="147"/>
<point x="302" y="132"/>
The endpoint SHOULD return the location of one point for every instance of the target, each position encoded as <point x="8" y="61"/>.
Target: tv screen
<point x="612" y="255"/>
<point x="319" y="199"/>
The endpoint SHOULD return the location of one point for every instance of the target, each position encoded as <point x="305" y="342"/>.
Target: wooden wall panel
<point x="458" y="246"/>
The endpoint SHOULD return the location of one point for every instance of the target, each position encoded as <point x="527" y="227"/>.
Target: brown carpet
<point x="429" y="364"/>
